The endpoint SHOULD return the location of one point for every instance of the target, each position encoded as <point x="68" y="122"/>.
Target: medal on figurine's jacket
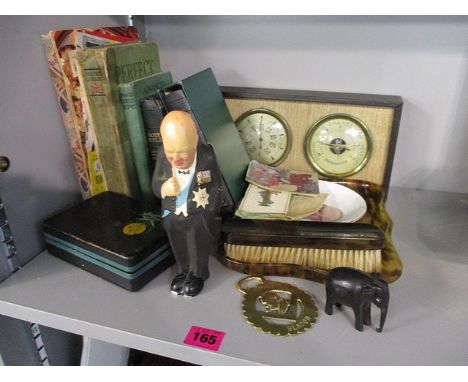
<point x="201" y="197"/>
<point x="203" y="177"/>
<point x="277" y="308"/>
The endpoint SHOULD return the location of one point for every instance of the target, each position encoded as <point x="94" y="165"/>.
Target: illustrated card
<point x="260" y="200"/>
<point x="298" y="182"/>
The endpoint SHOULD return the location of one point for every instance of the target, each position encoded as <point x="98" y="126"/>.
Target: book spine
<point x="66" y="111"/>
<point x="83" y="38"/>
<point x="175" y="99"/>
<point x="127" y="64"/>
<point x="153" y="112"/>
<point x="139" y="145"/>
<point x="97" y="176"/>
<point x="84" y="128"/>
<point x="66" y="43"/>
<point x="91" y="65"/>
<point x="131" y="96"/>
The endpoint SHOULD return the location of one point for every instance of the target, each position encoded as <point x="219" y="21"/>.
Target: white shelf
<point x="426" y="323"/>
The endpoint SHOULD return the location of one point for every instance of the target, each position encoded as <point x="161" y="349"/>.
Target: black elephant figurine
<point x="357" y="289"/>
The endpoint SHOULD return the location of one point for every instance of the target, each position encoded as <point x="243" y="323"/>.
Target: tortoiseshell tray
<point x="376" y="225"/>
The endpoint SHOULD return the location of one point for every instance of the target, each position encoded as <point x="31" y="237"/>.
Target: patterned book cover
<point x="100" y="71"/>
<point x="61" y="47"/>
<point x="79" y="157"/>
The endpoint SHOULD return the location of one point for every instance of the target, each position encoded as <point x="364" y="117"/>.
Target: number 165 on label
<point x="204" y="338"/>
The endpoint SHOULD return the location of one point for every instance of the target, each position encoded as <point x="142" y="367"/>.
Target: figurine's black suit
<point x="194" y="237"/>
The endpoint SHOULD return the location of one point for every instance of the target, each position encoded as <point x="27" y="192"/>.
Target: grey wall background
<point x="40" y="181"/>
<point x="422" y="59"/>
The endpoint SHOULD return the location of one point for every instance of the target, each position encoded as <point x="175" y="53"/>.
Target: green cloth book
<point x="101" y="70"/>
<point x="131" y="95"/>
<point x="206" y="102"/>
<point x="153" y="111"/>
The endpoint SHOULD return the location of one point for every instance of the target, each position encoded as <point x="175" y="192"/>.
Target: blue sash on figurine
<point x="181" y="198"/>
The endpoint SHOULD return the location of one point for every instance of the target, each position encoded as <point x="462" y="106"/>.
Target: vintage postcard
<point x="261" y="201"/>
<point x="298" y="182"/>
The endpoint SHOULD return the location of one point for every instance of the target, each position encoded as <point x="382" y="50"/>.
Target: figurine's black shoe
<point x="177" y="285"/>
<point x="193" y="285"/>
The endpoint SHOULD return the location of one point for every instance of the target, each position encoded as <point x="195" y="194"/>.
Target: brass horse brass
<point x="277" y="308"/>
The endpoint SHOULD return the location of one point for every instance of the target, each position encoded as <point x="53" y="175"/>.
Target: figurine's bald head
<point x="180" y="138"/>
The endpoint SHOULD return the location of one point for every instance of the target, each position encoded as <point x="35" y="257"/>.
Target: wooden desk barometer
<point x="348" y="139"/>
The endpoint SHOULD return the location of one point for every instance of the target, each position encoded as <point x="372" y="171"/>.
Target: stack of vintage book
<point x="113" y="95"/>
<point x="100" y="77"/>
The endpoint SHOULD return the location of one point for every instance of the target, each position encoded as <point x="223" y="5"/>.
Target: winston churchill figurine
<point x="188" y="181"/>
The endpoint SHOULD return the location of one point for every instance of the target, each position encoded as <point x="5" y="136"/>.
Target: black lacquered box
<point x="112" y="236"/>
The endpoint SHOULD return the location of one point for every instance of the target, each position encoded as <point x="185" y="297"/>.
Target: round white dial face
<point x="338" y="145"/>
<point x="266" y="136"/>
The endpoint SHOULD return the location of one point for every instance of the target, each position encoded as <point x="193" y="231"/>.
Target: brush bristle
<point x="365" y="260"/>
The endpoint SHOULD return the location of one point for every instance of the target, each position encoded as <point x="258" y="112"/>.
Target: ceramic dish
<point x="352" y="205"/>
